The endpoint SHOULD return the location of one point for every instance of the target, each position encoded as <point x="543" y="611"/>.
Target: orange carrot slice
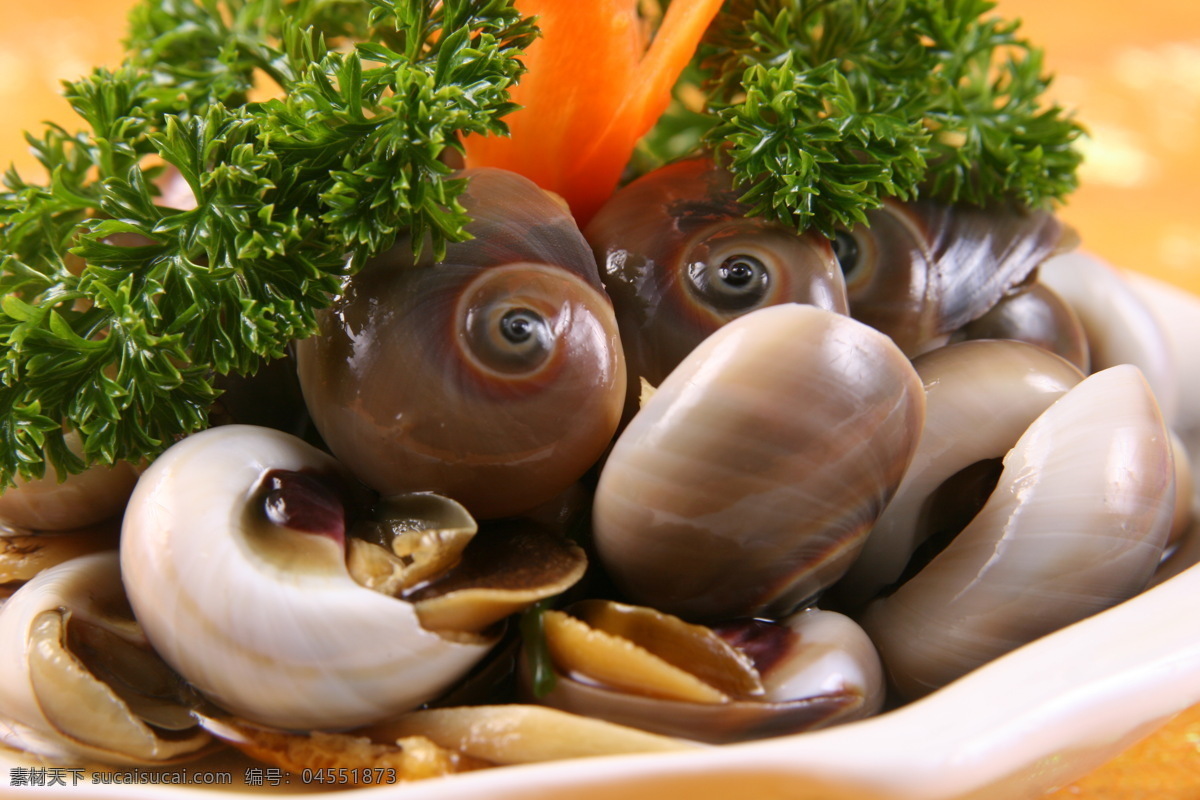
<point x="593" y="89"/>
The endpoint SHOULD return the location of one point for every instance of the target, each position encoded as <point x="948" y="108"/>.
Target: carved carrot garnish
<point x="593" y="88"/>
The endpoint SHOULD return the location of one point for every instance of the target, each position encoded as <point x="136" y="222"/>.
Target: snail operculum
<point x="424" y="548"/>
<point x="24" y="554"/>
<point x="408" y="540"/>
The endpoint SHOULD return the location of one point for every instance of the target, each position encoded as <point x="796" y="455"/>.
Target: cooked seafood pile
<point x="801" y="509"/>
<point x="665" y="472"/>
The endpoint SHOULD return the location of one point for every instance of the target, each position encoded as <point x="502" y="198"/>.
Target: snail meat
<point x="259" y="614"/>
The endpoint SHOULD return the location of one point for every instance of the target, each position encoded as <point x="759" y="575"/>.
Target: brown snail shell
<point x="680" y="259"/>
<point x="748" y="481"/>
<point x="494" y="376"/>
<point x="920" y="270"/>
<point x="1036" y="314"/>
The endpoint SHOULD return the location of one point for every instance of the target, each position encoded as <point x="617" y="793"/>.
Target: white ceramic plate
<point x="1018" y="727"/>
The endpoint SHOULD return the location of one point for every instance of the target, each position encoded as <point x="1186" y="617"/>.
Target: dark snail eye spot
<point x="518" y="325"/>
<point x="739" y="271"/>
<point x="845" y="248"/>
<point x="737" y="283"/>
<point x="510" y="340"/>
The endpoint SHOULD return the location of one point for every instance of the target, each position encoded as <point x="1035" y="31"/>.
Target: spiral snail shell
<point x="920" y="270"/>
<point x="748" y="481"/>
<point x="1076" y="523"/>
<point x="77" y="678"/>
<point x="255" y="606"/>
<point x="494" y="376"/>
<point x="980" y="396"/>
<point x="680" y="259"/>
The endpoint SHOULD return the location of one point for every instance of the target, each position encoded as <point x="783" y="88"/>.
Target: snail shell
<point x="1120" y="326"/>
<point x="748" y="481"/>
<point x="920" y="270"/>
<point x="1178" y="312"/>
<point x="980" y="396"/>
<point x="680" y="259"/>
<point x="262" y="617"/>
<point x="751" y="679"/>
<point x="494" y="377"/>
<point x="84" y="498"/>
<point x="77" y="679"/>
<point x="1076" y="523"/>
<point x="1035" y="313"/>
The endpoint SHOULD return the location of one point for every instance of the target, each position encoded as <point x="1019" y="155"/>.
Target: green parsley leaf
<point x="118" y="311"/>
<point x="821" y="108"/>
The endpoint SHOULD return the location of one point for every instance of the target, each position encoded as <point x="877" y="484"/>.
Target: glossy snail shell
<point x="748" y="481"/>
<point x="265" y="618"/>
<point x="1076" y="523"/>
<point x="85" y="498"/>
<point x="77" y="679"/>
<point x="1120" y="326"/>
<point x="751" y="679"/>
<point x="920" y="270"/>
<point x="680" y="259"/>
<point x="1036" y="314"/>
<point x="494" y="377"/>
<point x="980" y="397"/>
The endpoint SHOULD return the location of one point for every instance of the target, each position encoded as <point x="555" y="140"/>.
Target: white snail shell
<point x="1178" y="312"/>
<point x="1121" y="328"/>
<point x="1077" y="523"/>
<point x="980" y="396"/>
<point x="264" y="620"/>
<point x="83" y="498"/>
<point x="53" y="704"/>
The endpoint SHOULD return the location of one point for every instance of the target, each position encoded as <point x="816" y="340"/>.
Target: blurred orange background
<point x="1131" y="71"/>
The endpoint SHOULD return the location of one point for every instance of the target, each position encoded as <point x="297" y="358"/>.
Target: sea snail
<point x="746" y="484"/>
<point x="78" y="680"/>
<point x="748" y="679"/>
<point x="1120" y="327"/>
<point x="1076" y="523"/>
<point x="494" y="377"/>
<point x="246" y="589"/>
<point x="680" y="258"/>
<point x="921" y="270"/>
<point x="85" y="498"/>
<point x="980" y="396"/>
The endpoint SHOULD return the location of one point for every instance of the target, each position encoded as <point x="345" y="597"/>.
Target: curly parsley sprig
<point x="118" y="311"/>
<point x="822" y="107"/>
